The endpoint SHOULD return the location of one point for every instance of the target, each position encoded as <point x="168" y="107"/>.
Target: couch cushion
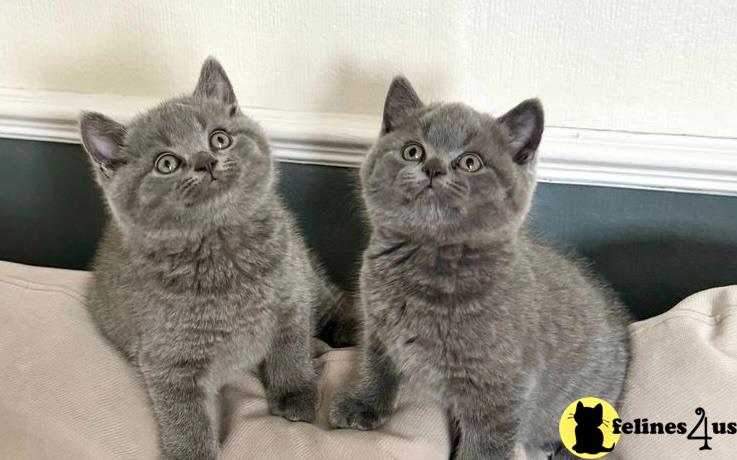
<point x="684" y="359"/>
<point x="65" y="393"/>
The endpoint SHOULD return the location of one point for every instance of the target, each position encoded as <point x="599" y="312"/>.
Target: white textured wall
<point x="653" y="66"/>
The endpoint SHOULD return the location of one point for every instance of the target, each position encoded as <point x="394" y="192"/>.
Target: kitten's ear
<point x="103" y="139"/>
<point x="401" y="99"/>
<point x="214" y="83"/>
<point x="579" y="406"/>
<point x="599" y="409"/>
<point x="525" y="124"/>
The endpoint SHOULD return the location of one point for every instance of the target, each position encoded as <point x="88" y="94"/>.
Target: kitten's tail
<point x="338" y="317"/>
<point x="607" y="449"/>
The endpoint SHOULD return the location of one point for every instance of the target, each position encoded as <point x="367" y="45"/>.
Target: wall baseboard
<point x="568" y="155"/>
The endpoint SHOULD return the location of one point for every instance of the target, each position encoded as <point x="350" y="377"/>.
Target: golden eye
<point x="167" y="163"/>
<point x="413" y="152"/>
<point x="470" y="162"/>
<point x="220" y="140"/>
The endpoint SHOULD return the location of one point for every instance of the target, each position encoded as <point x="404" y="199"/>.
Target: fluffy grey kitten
<point x="458" y="299"/>
<point x="201" y="275"/>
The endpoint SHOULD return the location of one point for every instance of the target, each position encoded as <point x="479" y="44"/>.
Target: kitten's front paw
<point x="348" y="411"/>
<point x="297" y="406"/>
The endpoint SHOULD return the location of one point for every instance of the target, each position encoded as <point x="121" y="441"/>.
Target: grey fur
<point x="201" y="274"/>
<point x="459" y="300"/>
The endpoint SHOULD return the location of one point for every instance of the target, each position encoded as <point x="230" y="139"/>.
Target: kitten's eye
<point x="470" y="162"/>
<point x="413" y="152"/>
<point x="220" y="140"/>
<point x="167" y="163"/>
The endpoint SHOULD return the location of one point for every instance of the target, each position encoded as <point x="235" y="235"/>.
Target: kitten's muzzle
<point x="205" y="162"/>
<point x="434" y="168"/>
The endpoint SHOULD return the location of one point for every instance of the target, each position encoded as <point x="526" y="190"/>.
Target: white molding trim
<point x="568" y="155"/>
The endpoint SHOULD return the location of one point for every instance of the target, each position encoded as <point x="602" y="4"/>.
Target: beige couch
<point x="66" y="394"/>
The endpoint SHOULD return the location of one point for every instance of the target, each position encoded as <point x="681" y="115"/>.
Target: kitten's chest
<point x="432" y="339"/>
<point x="203" y="307"/>
<point x="430" y="321"/>
<point x="204" y="329"/>
<point x="219" y="271"/>
<point x="440" y="335"/>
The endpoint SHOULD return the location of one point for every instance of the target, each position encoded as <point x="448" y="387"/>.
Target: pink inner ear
<point x="105" y="147"/>
<point x="525" y="127"/>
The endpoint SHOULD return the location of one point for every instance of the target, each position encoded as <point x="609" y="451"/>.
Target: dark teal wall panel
<point x="654" y="247"/>
<point x="50" y="212"/>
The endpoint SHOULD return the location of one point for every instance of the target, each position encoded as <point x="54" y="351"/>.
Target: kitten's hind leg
<point x="289" y="374"/>
<point x="371" y="399"/>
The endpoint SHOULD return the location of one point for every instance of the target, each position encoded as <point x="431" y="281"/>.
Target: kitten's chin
<point x="428" y="219"/>
<point x="433" y="208"/>
<point x="208" y="192"/>
<point x="436" y="197"/>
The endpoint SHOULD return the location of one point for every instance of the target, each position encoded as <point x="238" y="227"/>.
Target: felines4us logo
<point x="590" y="428"/>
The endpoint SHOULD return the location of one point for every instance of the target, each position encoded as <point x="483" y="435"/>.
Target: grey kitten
<point x="458" y="299"/>
<point x="201" y="276"/>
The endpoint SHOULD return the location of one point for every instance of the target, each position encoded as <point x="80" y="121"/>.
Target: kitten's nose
<point x="204" y="161"/>
<point x="434" y="168"/>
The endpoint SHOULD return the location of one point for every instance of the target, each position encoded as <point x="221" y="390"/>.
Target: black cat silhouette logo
<point x="586" y="428"/>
